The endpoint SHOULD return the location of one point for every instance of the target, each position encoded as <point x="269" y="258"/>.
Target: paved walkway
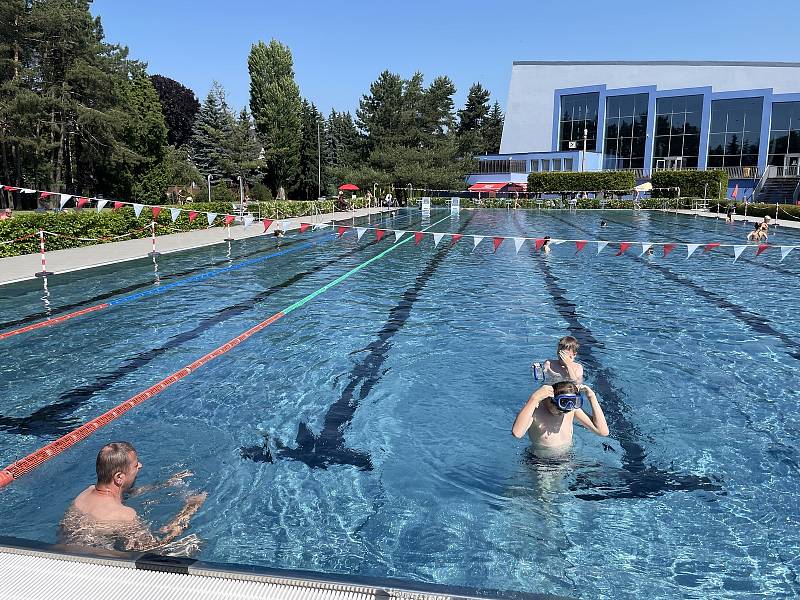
<point x="749" y="219"/>
<point x="21" y="268"/>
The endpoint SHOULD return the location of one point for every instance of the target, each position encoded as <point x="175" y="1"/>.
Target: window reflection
<point x="626" y="131"/>
<point x="678" y="131"/>
<point x="579" y="112"/>
<point x="784" y="135"/>
<point x="735" y="132"/>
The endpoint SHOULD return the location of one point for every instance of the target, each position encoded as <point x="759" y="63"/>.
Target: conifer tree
<point x="276" y="107"/>
<point x="212" y="134"/>
<point x="492" y="129"/>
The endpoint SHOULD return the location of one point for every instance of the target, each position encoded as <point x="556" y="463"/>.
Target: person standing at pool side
<point x="549" y="414"/>
<point x="729" y="212"/>
<point x="99" y="518"/>
<point x="564" y="367"/>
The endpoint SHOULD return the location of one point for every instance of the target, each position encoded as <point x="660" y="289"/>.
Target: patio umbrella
<point x="348" y="187"/>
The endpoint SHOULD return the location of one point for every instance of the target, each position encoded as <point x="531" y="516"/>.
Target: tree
<point x="470" y="121"/>
<point x="379" y="115"/>
<point x="437" y="115"/>
<point x="179" y="105"/>
<point x="492" y="129"/>
<point x="243" y="150"/>
<point x="276" y="107"/>
<point x="212" y="135"/>
<point x="342" y="140"/>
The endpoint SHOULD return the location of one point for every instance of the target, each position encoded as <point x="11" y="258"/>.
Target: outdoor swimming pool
<point x="385" y="405"/>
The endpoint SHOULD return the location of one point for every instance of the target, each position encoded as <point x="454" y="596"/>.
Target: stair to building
<point x="779" y="189"/>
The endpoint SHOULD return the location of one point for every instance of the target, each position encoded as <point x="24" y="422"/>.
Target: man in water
<point x="98" y="517"/>
<point x="549" y="414"/>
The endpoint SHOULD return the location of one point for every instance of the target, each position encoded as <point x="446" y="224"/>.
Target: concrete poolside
<point x="22" y="268"/>
<point x="750" y="219"/>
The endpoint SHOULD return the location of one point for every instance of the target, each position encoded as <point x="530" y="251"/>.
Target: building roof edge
<point x="686" y="63"/>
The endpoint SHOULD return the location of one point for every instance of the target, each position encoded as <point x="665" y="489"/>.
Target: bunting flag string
<point x="174" y="213"/>
<point x="437" y="237"/>
<point x="101" y="204"/>
<point x="137" y="209"/>
<point x="211" y="216"/>
<point x="397" y="235"/>
<point x="518" y="242"/>
<point x="418" y="235"/>
<point x="690" y="248"/>
<point x="360" y="231"/>
<point x="600" y="246"/>
<point x="580" y="245"/>
<point x="476" y="240"/>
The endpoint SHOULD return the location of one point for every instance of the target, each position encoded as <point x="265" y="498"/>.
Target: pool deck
<point x="22" y="268"/>
<point x="749" y="219"/>
<point x="37" y="570"/>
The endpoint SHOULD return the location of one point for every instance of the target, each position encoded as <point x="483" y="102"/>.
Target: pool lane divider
<point x="157" y="290"/>
<point x="56" y="447"/>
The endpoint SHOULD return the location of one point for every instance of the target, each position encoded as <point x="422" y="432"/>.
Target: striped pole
<point x="44" y="272"/>
<point x="153" y="237"/>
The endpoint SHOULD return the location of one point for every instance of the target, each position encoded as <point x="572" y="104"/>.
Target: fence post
<point x="44" y="272"/>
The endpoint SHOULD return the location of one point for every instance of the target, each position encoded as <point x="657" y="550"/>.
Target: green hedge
<point x="108" y="223"/>
<point x="691" y="183"/>
<point x="581" y="182"/>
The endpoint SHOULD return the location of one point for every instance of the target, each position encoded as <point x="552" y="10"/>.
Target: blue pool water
<point x="386" y="404"/>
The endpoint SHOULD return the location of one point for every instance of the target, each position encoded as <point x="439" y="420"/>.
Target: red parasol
<point x="348" y="187"/>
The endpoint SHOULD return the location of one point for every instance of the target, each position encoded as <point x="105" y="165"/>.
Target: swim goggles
<point x="568" y="402"/>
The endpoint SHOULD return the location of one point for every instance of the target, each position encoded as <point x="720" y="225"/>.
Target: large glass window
<point x="626" y="132"/>
<point x="784" y="134"/>
<point x="678" y="131"/>
<point x="735" y="132"/>
<point x="578" y="113"/>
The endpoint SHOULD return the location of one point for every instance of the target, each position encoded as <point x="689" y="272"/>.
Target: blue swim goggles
<point x="568" y="402"/>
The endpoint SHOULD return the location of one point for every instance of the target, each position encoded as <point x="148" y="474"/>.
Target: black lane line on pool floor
<point x="54" y="420"/>
<point x="754" y="321"/>
<point x="138" y="286"/>
<point x="640" y="480"/>
<point x="329" y="448"/>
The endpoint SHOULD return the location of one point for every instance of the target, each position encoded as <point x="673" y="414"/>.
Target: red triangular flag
<point x="622" y="247"/>
<point x="81" y="202"/>
<point x="267" y="223"/>
<point x="668" y="248"/>
<point x="497" y="241"/>
<point x="379" y="233"/>
<point x="710" y="246"/>
<point x="454" y="238"/>
<point x="229" y="219"/>
<point x="341" y="230"/>
<point x="580" y="245"/>
<point x="192" y="215"/>
<point x="761" y="248"/>
<point x="117" y="205"/>
<point x="418" y="235"/>
<point x="537" y="245"/>
<point x="10" y="188"/>
<point x="156" y="210"/>
<point x="304" y="226"/>
<point x="45" y="194"/>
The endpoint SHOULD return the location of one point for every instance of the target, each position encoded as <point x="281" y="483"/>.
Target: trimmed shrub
<point x="691" y="183"/>
<point x="568" y="181"/>
<point x="789" y="212"/>
<point x="88" y="223"/>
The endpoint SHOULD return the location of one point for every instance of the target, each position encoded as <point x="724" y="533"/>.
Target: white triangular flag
<point x="360" y="231"/>
<point x="600" y="246"/>
<point x="645" y="247"/>
<point x="397" y="235"/>
<point x="321" y="225"/>
<point x="785" y="251"/>
<point x="690" y="248"/>
<point x="518" y="243"/>
<point x="27" y="191"/>
<point x="737" y="252"/>
<point x="64" y="199"/>
<point x="437" y="237"/>
<point x="283" y="225"/>
<point x="174" y="213"/>
<point x="101" y="204"/>
<point x="555" y="242"/>
<point x="211" y="217"/>
<point x="476" y="239"/>
<point x="137" y="209"/>
<point x="248" y="220"/>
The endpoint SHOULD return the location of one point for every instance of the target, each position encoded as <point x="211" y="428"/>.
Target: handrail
<point x="761" y="182"/>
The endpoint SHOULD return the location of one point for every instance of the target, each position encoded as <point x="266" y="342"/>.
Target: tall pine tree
<point x="276" y="107"/>
<point x="212" y="135"/>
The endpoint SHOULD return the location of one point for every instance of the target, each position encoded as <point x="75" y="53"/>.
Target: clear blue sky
<point x="340" y="47"/>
